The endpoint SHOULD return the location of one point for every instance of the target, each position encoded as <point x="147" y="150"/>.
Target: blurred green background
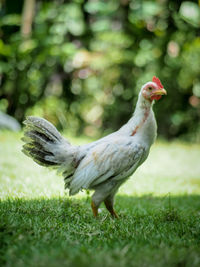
<point x="80" y="64"/>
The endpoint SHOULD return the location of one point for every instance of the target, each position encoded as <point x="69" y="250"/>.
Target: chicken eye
<point x="150" y="88"/>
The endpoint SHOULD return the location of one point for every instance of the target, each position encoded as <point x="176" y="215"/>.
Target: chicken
<point x="102" y="165"/>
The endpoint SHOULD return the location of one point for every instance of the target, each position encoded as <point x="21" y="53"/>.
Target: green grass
<point x="159" y="210"/>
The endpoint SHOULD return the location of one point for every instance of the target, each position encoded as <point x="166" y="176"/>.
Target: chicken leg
<point x="94" y="209"/>
<point x="109" y="206"/>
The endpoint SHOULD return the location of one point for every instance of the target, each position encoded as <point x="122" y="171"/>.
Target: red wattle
<point x="156" y="97"/>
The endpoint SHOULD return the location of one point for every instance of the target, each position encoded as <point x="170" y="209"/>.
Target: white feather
<point x="107" y="160"/>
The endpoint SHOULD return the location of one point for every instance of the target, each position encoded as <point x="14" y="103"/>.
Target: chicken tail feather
<point x="45" y="145"/>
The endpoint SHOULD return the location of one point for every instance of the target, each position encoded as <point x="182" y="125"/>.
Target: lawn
<point x="159" y="213"/>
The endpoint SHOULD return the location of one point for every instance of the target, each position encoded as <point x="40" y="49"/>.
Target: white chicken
<point x="102" y="165"/>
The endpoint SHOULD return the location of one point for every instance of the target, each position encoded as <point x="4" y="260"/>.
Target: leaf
<point x="190" y="12"/>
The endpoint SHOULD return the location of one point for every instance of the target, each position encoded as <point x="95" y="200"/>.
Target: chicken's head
<point x="153" y="90"/>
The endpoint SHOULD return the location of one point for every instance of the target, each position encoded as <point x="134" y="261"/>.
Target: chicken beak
<point x="160" y="91"/>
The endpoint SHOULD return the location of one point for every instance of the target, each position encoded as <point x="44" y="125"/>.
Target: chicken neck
<point x="142" y="121"/>
<point x="142" y="111"/>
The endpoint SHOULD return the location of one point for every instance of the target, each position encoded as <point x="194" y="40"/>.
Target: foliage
<point x="40" y="226"/>
<point x="85" y="61"/>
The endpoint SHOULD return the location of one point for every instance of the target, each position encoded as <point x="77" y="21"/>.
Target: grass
<point x="159" y="209"/>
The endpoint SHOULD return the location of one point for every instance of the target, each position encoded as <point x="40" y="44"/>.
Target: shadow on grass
<point x="63" y="231"/>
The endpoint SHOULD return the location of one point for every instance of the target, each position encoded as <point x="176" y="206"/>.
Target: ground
<point x="159" y="213"/>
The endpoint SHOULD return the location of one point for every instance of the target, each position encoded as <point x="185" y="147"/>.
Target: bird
<point x="103" y="165"/>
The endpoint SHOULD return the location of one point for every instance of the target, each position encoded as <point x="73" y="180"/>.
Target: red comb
<point x="157" y="81"/>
